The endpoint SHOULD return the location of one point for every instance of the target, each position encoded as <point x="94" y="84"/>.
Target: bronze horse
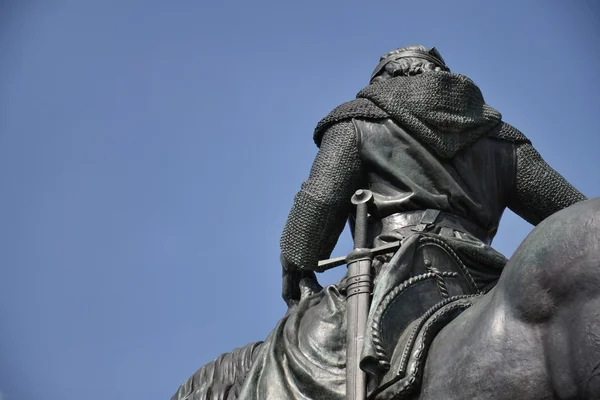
<point x="535" y="335"/>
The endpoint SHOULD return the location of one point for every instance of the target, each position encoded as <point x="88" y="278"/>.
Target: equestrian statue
<point x="422" y="169"/>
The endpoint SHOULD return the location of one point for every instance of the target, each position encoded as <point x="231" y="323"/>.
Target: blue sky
<point x="150" y="152"/>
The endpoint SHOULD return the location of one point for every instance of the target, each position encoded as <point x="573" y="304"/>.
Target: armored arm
<point x="539" y="190"/>
<point x="322" y="206"/>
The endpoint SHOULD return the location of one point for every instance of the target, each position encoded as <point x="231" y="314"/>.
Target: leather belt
<point x="433" y="221"/>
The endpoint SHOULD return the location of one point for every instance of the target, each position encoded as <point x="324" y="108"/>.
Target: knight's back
<point x="407" y="175"/>
<point x="421" y="139"/>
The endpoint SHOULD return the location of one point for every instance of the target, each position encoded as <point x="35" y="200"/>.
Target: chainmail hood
<point x="444" y="110"/>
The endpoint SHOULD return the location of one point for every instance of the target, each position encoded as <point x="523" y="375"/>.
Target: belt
<point x="434" y="221"/>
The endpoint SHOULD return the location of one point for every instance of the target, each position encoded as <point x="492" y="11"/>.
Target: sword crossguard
<point x="324" y="265"/>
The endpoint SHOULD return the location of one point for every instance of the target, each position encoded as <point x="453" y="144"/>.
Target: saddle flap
<point x="431" y="275"/>
<point x="409" y="357"/>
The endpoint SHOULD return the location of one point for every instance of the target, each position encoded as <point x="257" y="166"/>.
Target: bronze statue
<point x="449" y="318"/>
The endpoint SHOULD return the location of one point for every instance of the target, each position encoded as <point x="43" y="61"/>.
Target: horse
<point x="535" y="335"/>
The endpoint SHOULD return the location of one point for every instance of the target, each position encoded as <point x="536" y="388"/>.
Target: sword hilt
<point x="361" y="200"/>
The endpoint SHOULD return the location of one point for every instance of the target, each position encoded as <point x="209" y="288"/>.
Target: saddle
<point x="418" y="291"/>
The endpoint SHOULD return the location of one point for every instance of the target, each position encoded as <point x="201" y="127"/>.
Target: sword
<point x="358" y="297"/>
<point x="358" y="293"/>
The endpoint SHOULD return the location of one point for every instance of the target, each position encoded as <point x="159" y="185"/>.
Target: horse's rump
<point x="221" y="378"/>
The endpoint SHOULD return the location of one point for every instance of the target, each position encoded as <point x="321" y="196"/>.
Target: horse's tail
<point x="220" y="379"/>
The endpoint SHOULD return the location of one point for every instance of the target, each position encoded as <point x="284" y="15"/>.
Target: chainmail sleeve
<point x="539" y="191"/>
<point x="322" y="206"/>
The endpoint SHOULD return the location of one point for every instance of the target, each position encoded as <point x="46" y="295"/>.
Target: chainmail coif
<point x="445" y="111"/>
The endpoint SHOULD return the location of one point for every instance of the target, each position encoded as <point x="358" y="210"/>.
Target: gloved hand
<point x="297" y="283"/>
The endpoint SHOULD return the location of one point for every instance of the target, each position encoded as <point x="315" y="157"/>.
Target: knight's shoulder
<point x="358" y="108"/>
<point x="509" y="133"/>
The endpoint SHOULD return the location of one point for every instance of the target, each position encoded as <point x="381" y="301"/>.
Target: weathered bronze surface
<point x="428" y="309"/>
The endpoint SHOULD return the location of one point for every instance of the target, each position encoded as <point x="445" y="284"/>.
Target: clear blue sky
<point x="150" y="151"/>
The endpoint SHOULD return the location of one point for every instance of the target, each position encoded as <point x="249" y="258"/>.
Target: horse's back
<point x="558" y="262"/>
<point x="536" y="335"/>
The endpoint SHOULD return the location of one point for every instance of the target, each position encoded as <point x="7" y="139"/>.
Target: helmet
<point x="431" y="55"/>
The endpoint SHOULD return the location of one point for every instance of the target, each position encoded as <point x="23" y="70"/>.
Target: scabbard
<point x="357" y="309"/>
